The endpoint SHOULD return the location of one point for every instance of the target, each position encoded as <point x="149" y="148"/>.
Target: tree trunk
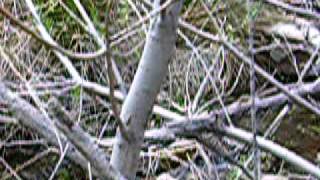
<point x="152" y="69"/>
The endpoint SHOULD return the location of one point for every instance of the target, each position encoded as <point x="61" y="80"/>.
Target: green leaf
<point x="76" y="93"/>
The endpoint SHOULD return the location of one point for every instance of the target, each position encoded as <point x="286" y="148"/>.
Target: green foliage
<point x="158" y="121"/>
<point x="315" y="129"/>
<point x="239" y="19"/>
<point x="59" y="23"/>
<point x="255" y="10"/>
<point x="187" y="3"/>
<point x="72" y="7"/>
<point x="233" y="173"/>
<point x="76" y="93"/>
<point x="94" y="13"/>
<point x="64" y="175"/>
<point x="48" y="23"/>
<point x="123" y="12"/>
<point x="232" y="32"/>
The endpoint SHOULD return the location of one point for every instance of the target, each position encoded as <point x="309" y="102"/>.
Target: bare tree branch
<point x="296" y="98"/>
<point x="192" y="127"/>
<point x="122" y="127"/>
<point x="54" y="45"/>
<point x="258" y="69"/>
<point x="293" y="9"/>
<point x="30" y="117"/>
<point x="152" y="69"/>
<point x="83" y="141"/>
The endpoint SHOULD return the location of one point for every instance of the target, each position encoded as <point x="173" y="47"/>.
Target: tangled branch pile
<point x="67" y="66"/>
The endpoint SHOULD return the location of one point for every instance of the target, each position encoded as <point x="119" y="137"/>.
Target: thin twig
<point x="98" y="38"/>
<point x="9" y="168"/>
<point x="212" y="79"/>
<point x="141" y="21"/>
<point x="32" y="160"/>
<point x="189" y="128"/>
<point x="227" y="157"/>
<point x="309" y="64"/>
<point x="253" y="94"/>
<point x="83" y="141"/>
<point x="296" y="98"/>
<point x="269" y="132"/>
<point x="53" y="45"/>
<point x="32" y="93"/>
<point x="294" y="9"/>
<point x="63" y="154"/>
<point x="111" y="79"/>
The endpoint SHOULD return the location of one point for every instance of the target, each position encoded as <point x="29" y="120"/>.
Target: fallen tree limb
<point x="190" y="128"/>
<point x="83" y="141"/>
<point x="275" y="149"/>
<point x="239" y="107"/>
<point x="30" y="117"/>
<point x="213" y="146"/>
<point x="293" y="9"/>
<point x="271" y="101"/>
<point x="296" y="98"/>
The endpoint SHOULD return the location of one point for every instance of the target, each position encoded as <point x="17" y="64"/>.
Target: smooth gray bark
<point x="151" y="71"/>
<point x="83" y="141"/>
<point x="30" y="117"/>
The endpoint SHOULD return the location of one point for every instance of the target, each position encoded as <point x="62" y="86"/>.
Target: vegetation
<point x="74" y="73"/>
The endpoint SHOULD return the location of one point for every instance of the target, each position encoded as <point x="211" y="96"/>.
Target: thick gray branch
<point x="190" y="128"/>
<point x="151" y="71"/>
<point x="83" y="141"/>
<point x="30" y="117"/>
